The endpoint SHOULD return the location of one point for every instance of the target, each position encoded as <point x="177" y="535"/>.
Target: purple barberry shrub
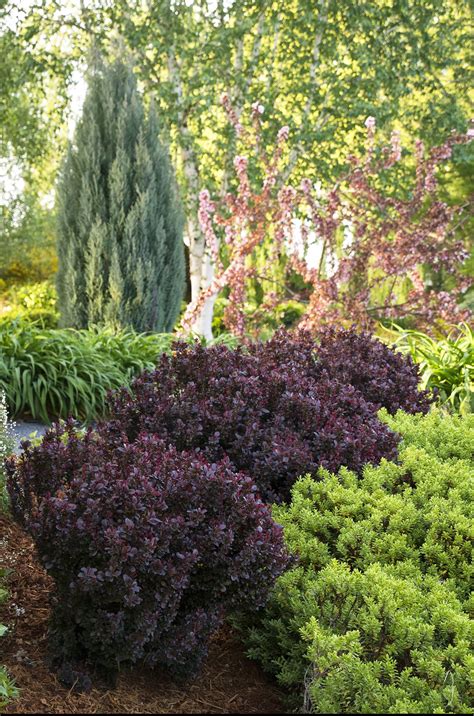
<point x="272" y="409"/>
<point x="148" y="547"/>
<point x="385" y="378"/>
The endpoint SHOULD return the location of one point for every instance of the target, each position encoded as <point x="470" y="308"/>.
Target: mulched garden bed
<point x="229" y="682"/>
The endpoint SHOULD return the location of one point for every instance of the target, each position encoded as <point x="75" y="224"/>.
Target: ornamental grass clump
<point x="374" y="616"/>
<point x="148" y="548"/>
<point x="446" y="364"/>
<point x="50" y="373"/>
<point x="276" y="409"/>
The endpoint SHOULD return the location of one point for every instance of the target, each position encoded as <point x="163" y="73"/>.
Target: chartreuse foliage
<point x="374" y="616"/>
<point x="33" y="302"/>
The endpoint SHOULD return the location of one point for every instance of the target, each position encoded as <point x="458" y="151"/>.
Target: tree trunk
<point x="201" y="274"/>
<point x="201" y="270"/>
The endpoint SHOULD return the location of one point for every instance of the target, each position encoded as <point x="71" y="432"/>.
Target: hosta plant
<point x="148" y="548"/>
<point x="374" y="617"/>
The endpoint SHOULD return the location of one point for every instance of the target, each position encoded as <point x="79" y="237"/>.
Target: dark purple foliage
<point x="148" y="547"/>
<point x="274" y="410"/>
<point x="385" y="378"/>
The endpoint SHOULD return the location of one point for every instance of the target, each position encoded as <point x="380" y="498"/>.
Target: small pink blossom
<point x="240" y="164"/>
<point x="283" y="134"/>
<point x="252" y="214"/>
<point x="396" y="146"/>
<point x="258" y="108"/>
<point x="268" y="182"/>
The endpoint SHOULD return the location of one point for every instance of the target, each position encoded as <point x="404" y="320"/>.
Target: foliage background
<point x="321" y="68"/>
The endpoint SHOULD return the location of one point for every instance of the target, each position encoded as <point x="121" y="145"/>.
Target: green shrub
<point x="446" y="364"/>
<point x="34" y="302"/>
<point x="374" y="616"/>
<point x="8" y="690"/>
<point x="447" y="438"/>
<point x="120" y="219"/>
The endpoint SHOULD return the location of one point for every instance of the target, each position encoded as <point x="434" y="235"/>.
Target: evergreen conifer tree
<point x="120" y="244"/>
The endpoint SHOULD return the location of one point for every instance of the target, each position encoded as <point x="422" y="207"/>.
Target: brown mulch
<point x="229" y="683"/>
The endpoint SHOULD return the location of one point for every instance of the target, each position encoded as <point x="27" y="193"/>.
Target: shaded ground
<point x="229" y="683"/>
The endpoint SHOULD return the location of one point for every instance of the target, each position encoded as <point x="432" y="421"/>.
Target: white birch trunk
<point x="201" y="275"/>
<point x="201" y="270"/>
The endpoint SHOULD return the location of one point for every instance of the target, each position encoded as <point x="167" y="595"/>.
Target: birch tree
<point x="320" y="67"/>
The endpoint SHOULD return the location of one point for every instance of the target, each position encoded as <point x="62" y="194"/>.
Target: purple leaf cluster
<point x="385" y="378"/>
<point x="278" y="409"/>
<point x="148" y="547"/>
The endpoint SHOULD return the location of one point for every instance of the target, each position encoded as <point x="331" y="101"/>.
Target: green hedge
<point x="373" y="618"/>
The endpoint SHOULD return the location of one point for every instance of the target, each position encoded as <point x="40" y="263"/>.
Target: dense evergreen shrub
<point x="275" y="409"/>
<point x="374" y="617"/>
<point x="120" y="221"/>
<point x="148" y="547"/>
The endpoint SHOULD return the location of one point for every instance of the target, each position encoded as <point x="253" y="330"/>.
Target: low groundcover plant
<point x="374" y="617"/>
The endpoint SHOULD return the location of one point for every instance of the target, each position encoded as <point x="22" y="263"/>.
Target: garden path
<point x="22" y="430"/>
